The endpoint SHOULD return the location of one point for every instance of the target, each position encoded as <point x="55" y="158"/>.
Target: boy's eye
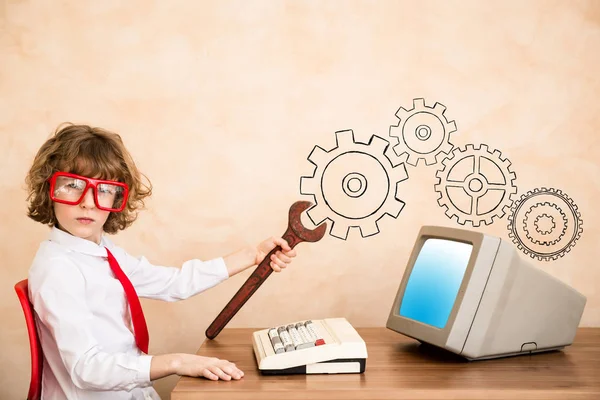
<point x="77" y="184"/>
<point x="109" y="189"/>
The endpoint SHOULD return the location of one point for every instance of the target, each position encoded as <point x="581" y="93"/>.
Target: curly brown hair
<point x="87" y="151"/>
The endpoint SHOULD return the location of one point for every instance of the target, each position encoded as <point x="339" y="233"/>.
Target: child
<point x="84" y="289"/>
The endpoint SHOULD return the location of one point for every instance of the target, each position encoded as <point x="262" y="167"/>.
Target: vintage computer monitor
<point x="472" y="294"/>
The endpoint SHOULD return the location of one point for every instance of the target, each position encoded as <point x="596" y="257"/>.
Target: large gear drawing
<point x="475" y="185"/>
<point x="544" y="244"/>
<point x="545" y="223"/>
<point x="353" y="185"/>
<point x="423" y="133"/>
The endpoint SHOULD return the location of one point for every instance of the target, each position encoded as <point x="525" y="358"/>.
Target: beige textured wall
<point x="221" y="102"/>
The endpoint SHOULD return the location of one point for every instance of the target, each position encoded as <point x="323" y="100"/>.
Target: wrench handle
<point x="260" y="274"/>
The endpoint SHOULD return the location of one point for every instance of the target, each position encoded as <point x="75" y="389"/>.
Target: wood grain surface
<point x="401" y="368"/>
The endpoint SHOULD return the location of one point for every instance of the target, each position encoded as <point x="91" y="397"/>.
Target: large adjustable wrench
<point x="295" y="233"/>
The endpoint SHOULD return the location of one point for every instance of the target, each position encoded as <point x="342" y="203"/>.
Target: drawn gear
<point x="346" y="191"/>
<point x="475" y="185"/>
<point x="422" y="132"/>
<point x="545" y="235"/>
<point x="537" y="202"/>
<point x="539" y="224"/>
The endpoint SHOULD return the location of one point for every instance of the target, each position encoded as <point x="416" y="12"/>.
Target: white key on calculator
<point x="285" y="339"/>
<point x="305" y="336"/>
<point x="276" y="341"/>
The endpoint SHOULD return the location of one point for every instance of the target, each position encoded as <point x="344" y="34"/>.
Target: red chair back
<point x="35" y="384"/>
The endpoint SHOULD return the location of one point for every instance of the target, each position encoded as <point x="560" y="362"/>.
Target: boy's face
<point x="83" y="220"/>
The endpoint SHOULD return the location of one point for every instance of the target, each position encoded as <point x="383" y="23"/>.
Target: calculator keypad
<point x="301" y="335"/>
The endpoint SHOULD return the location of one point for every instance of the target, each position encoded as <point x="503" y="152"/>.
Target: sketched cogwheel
<point x="422" y="132"/>
<point x="545" y="223"/>
<point x="475" y="185"/>
<point x="353" y="185"/>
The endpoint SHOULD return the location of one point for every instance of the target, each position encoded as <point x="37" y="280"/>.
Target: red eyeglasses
<point x="70" y="189"/>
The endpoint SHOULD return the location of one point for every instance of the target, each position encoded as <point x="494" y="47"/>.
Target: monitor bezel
<point x="419" y="330"/>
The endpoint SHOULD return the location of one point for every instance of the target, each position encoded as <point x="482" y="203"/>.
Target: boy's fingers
<point x="275" y="267"/>
<point x="232" y="371"/>
<point x="283" y="244"/>
<point x="219" y="372"/>
<point x="283" y="257"/>
<point x="279" y="261"/>
<point x="291" y="253"/>
<point x="209" y="375"/>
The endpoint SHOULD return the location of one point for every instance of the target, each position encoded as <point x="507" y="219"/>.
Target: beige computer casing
<point x="505" y="306"/>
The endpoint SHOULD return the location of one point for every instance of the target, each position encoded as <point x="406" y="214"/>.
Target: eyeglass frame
<point x="90" y="183"/>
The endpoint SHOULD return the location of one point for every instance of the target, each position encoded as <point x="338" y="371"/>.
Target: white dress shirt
<point x="83" y="316"/>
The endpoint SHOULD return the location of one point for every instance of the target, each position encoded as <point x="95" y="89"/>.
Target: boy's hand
<point x="281" y="259"/>
<point x="207" y="367"/>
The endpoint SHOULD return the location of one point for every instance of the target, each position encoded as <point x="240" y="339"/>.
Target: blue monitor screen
<point x="434" y="281"/>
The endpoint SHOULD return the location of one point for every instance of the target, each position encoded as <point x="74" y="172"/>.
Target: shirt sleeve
<point x="59" y="300"/>
<point x="171" y="283"/>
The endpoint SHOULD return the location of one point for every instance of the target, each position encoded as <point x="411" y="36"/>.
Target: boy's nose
<point x="88" y="199"/>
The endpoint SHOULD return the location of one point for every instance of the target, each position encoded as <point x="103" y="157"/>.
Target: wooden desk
<point x="400" y="368"/>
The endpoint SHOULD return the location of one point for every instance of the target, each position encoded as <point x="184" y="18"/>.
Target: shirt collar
<point x="78" y="244"/>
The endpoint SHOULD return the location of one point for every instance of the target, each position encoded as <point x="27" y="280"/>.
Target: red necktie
<point x="137" y="315"/>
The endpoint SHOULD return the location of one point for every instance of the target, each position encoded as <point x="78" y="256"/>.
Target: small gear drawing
<point x="527" y="214"/>
<point x="475" y="185"/>
<point x="353" y="185"/>
<point x="540" y="223"/>
<point x="423" y="133"/>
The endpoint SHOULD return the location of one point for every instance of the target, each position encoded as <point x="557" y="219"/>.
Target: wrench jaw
<point x="295" y="223"/>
